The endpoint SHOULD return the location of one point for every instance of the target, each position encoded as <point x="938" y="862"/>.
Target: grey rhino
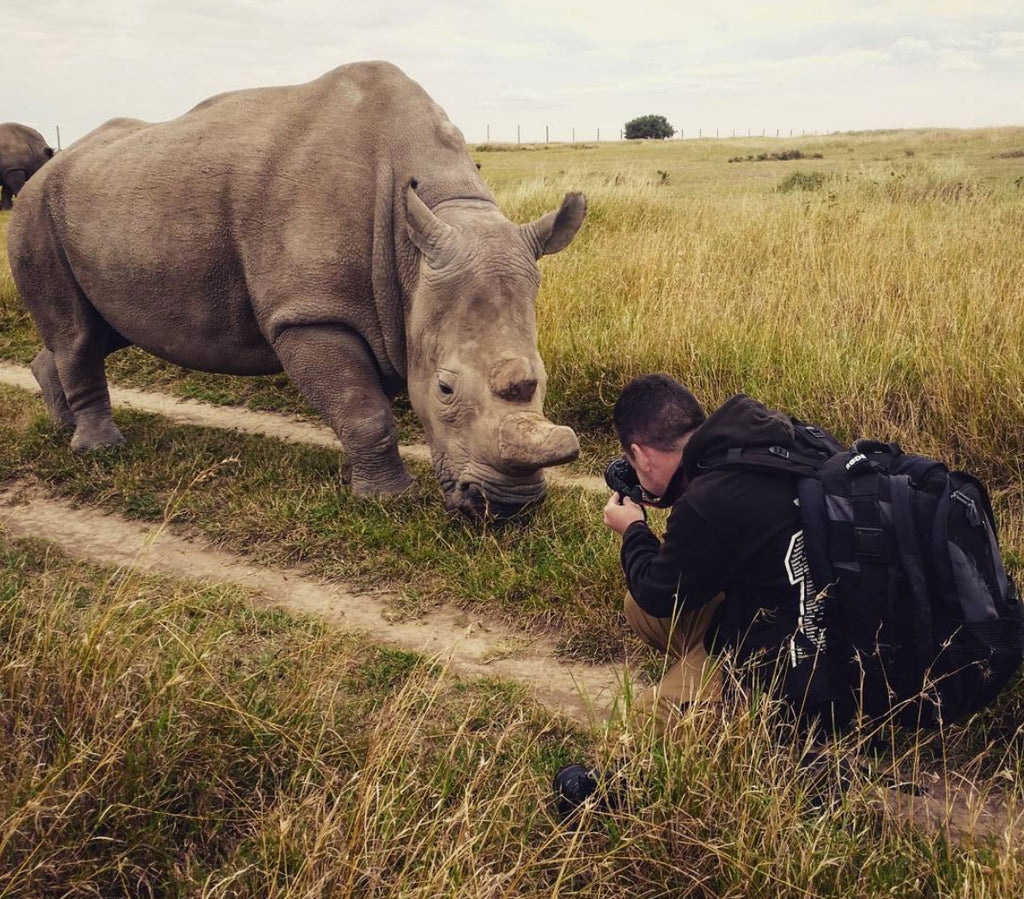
<point x="336" y="229"/>
<point x="23" y="151"/>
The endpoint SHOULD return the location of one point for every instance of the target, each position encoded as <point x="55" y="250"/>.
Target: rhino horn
<point x="528" y="441"/>
<point x="432" y="237"/>
<point x="554" y="231"/>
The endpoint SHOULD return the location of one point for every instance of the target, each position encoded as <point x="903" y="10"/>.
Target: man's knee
<point x="656" y="632"/>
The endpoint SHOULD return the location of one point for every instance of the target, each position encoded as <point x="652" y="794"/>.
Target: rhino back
<point x="201" y="238"/>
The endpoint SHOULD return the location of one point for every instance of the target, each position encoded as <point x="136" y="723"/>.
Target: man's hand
<point x="620" y="515"/>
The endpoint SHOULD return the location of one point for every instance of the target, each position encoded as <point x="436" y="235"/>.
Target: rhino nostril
<point x="520" y="391"/>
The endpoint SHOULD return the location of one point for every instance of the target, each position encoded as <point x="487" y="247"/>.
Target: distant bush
<point x="654" y="127"/>
<point x="801" y="181"/>
<point x="1010" y="154"/>
<point x="783" y="156"/>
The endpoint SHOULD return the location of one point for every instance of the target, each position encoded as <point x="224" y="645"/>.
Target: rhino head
<point x="475" y="378"/>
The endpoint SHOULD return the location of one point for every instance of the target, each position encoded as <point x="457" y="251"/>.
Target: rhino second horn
<point x="528" y="441"/>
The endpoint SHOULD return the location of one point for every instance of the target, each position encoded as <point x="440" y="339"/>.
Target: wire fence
<point x="562" y="134"/>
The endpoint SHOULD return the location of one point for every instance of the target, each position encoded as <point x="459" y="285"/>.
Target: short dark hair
<point x="656" y="410"/>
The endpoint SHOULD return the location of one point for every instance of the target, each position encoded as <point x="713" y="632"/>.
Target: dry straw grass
<point x="164" y="740"/>
<point x="887" y="303"/>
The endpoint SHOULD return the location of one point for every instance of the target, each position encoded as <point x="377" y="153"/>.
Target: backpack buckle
<point x="869" y="543"/>
<point x="779" y="451"/>
<point x="973" y="515"/>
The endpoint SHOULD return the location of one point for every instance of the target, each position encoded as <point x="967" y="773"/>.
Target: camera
<point x="575" y="784"/>
<point x="621" y="477"/>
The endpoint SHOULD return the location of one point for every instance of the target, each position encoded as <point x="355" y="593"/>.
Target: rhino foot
<point x="96" y="435"/>
<point x="376" y="484"/>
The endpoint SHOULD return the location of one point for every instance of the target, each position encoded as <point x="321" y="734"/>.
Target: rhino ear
<point x="553" y="232"/>
<point x="432" y="237"/>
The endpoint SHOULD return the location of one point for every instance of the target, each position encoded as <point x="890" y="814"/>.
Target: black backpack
<point x="908" y="614"/>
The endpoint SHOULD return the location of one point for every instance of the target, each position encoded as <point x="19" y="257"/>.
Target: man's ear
<point x="637" y="456"/>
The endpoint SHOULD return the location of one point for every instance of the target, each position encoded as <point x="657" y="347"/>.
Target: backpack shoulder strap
<point x="768" y="459"/>
<point x="812" y="447"/>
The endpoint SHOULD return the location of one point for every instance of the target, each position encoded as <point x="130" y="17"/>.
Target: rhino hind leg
<point x="334" y="370"/>
<point x="44" y="368"/>
<point x="81" y="372"/>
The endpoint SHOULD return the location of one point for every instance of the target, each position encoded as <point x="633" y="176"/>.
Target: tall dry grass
<point x="163" y="739"/>
<point x="889" y="303"/>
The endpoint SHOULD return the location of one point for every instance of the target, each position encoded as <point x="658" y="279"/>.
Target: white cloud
<point x="960" y="62"/>
<point x="911" y="44"/>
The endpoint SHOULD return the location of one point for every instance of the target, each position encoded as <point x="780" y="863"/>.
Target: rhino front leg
<point x="333" y="368"/>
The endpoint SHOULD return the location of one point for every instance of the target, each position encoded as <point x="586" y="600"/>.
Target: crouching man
<point x="730" y="555"/>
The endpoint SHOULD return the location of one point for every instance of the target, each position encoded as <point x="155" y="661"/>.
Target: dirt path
<point x="268" y="424"/>
<point x="472" y="645"/>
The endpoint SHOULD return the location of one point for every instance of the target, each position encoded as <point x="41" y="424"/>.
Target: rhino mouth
<point x="485" y="496"/>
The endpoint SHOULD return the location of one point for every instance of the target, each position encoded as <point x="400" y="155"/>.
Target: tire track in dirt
<point x="471" y="644"/>
<point x="248" y="421"/>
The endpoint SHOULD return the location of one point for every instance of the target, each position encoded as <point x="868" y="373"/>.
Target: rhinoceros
<point x="23" y="151"/>
<point x="338" y="230"/>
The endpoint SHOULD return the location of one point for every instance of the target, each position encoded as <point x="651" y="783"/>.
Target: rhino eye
<point x="447" y="385"/>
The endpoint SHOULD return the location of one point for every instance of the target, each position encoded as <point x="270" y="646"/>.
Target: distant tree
<point x="656" y="127"/>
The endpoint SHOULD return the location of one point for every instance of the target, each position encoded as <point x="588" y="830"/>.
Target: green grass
<point x="286" y="505"/>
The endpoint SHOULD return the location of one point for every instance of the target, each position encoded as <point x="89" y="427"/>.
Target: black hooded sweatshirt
<point x="733" y="531"/>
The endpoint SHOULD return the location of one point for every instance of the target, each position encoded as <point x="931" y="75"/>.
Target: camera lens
<point x="573" y="784"/>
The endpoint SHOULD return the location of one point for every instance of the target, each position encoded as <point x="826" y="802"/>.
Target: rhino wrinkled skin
<point x="336" y="229"/>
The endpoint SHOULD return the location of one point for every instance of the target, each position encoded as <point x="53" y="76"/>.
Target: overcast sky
<point x="731" y="65"/>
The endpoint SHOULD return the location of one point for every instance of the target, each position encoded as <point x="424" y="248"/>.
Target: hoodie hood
<point x="739" y="422"/>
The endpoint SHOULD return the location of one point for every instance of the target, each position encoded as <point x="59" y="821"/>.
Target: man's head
<point x="653" y="417"/>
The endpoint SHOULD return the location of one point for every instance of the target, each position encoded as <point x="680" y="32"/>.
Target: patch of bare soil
<point x="950" y="806"/>
<point x="955" y="808"/>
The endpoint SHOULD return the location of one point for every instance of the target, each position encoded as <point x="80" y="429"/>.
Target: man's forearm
<point x="640" y="550"/>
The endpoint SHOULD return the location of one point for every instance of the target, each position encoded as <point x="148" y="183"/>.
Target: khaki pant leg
<point x="693" y="674"/>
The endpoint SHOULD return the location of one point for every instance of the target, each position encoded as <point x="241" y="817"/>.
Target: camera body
<point x="621" y="477"/>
